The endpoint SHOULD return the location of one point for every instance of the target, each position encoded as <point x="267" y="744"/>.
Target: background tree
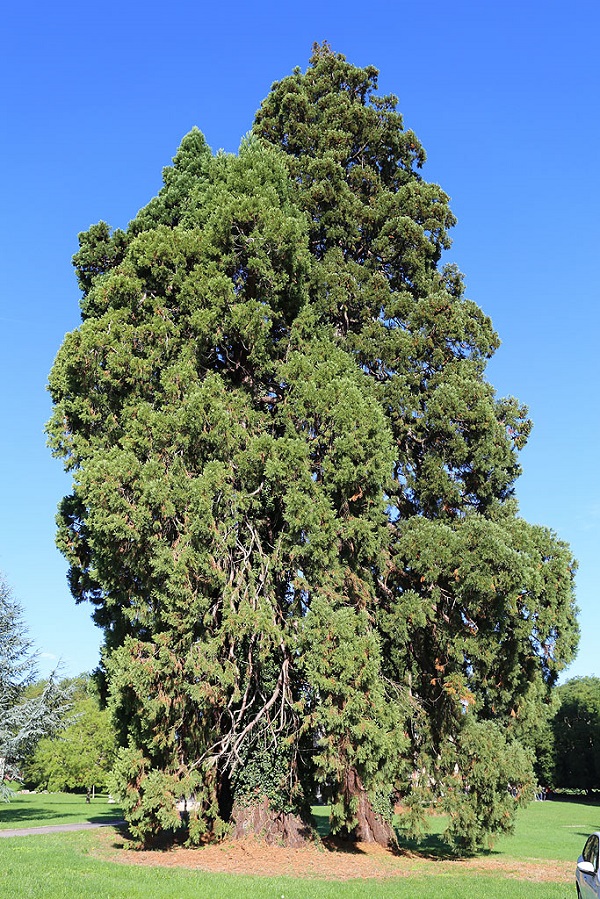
<point x="24" y="719"/>
<point x="293" y="487"/>
<point x="81" y="756"/>
<point x="576" y="731"/>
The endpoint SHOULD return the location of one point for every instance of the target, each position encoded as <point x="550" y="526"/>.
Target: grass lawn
<point x="556" y="829"/>
<point x="38" y="809"/>
<point x="74" y="865"/>
<point x="553" y="829"/>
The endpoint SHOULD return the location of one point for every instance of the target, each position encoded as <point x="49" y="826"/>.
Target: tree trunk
<point x="224" y="795"/>
<point x="260" y="820"/>
<point x="371" y="827"/>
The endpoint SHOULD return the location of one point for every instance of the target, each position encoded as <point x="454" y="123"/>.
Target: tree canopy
<point x="576" y="732"/>
<point x="293" y="488"/>
<point x="81" y="756"/>
<point x="24" y="718"/>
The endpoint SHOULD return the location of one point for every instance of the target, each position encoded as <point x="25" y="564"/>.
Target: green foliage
<point x="149" y="799"/>
<point x="265" y="774"/>
<point x="292" y="502"/>
<point x="576" y="732"/>
<point x="533" y="729"/>
<point x="81" y="756"/>
<point x="26" y="715"/>
<point x="491" y="776"/>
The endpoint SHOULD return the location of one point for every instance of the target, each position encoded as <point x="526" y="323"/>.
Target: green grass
<point x="70" y="865"/>
<point x="553" y="830"/>
<point x="38" y="809"/>
<point x="63" y="867"/>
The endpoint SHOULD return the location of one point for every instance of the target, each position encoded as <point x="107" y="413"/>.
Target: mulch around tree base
<point x="329" y="862"/>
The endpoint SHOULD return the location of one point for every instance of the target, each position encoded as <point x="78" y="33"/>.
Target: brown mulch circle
<point x="328" y="861"/>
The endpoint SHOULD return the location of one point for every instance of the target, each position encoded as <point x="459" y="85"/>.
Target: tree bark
<point x="260" y="820"/>
<point x="371" y="827"/>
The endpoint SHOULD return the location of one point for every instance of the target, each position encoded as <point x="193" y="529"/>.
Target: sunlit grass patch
<point x="38" y="809"/>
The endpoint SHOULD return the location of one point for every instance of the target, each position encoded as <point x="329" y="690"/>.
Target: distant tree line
<point x="80" y="757"/>
<point x="28" y="711"/>
<point x="569" y="757"/>
<point x="54" y="734"/>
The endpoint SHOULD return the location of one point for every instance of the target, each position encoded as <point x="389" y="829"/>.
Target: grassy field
<point x="553" y="830"/>
<point x="38" y="809"/>
<point x="72" y="866"/>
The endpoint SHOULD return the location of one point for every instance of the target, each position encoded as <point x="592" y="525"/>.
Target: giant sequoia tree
<point x="293" y="502"/>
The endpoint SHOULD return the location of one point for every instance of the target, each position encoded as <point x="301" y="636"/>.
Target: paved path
<point x="57" y="828"/>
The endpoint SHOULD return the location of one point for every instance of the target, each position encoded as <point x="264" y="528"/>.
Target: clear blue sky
<point x="503" y="95"/>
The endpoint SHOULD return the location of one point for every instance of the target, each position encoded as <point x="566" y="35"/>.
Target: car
<point x="586" y="873"/>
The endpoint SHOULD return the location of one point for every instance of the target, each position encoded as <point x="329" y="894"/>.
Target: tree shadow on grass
<point x="122" y="836"/>
<point x="344" y="847"/>
<point x="18" y="816"/>
<point x="431" y="846"/>
<point x="110" y="820"/>
<point x="320" y="820"/>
